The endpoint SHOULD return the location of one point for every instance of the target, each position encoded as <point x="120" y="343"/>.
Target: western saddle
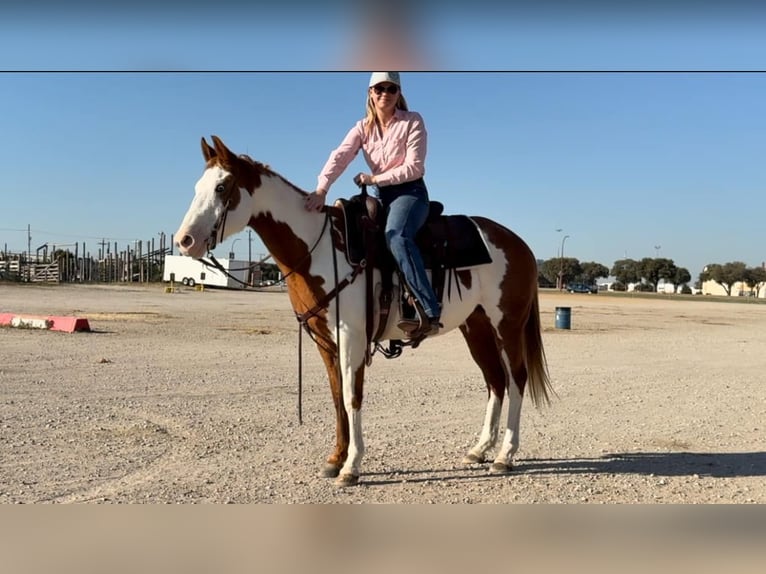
<point x="446" y="243"/>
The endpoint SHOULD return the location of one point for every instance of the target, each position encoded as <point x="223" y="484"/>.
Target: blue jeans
<point x="407" y="207"/>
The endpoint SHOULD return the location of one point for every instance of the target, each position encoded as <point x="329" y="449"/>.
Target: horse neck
<point x="284" y="225"/>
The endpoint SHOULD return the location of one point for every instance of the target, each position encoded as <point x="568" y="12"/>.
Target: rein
<point x="214" y="263"/>
<point x="320" y="305"/>
<point x="303" y="318"/>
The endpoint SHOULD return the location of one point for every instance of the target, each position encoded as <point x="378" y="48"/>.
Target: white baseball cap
<point x="380" y="77"/>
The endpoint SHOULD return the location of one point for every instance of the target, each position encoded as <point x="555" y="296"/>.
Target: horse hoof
<point x="471" y="458"/>
<point x="347" y="480"/>
<point x="329" y="471"/>
<point x="500" y="468"/>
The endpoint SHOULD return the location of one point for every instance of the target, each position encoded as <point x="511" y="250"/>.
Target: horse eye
<point x="220" y="188"/>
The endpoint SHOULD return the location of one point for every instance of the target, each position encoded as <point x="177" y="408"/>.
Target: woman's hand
<point x="364" y="179"/>
<point x="315" y="200"/>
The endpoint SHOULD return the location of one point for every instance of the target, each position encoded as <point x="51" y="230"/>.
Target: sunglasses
<point x="393" y="89"/>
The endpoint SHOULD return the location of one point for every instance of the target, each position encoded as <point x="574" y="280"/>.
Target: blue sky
<point x="622" y="162"/>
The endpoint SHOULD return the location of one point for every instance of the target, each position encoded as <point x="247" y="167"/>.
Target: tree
<point x="682" y="276"/>
<point x="592" y="271"/>
<point x="707" y="273"/>
<point x="626" y="271"/>
<point x="654" y="269"/>
<point x="542" y="280"/>
<point x="551" y="268"/>
<point x="754" y="277"/>
<point x="725" y="275"/>
<point x="569" y="267"/>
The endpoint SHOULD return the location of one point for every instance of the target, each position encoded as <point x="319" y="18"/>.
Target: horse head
<point x="223" y="196"/>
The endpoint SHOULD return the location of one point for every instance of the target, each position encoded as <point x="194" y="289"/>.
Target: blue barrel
<point x="563" y="317"/>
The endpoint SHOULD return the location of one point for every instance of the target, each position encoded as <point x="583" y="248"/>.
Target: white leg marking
<point x="511" y="438"/>
<point x="352" y="356"/>
<point x="489" y="431"/>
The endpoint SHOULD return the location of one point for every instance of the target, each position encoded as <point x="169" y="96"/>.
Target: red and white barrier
<point x="50" y="322"/>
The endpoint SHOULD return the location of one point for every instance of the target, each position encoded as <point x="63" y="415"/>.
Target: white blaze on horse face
<point x="207" y="208"/>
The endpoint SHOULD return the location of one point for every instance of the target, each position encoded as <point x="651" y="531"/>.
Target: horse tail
<point x="538" y="380"/>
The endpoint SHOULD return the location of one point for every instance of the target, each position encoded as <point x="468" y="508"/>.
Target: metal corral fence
<point x="141" y="262"/>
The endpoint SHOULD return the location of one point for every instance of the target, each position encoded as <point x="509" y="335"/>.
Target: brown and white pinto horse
<point x="497" y="310"/>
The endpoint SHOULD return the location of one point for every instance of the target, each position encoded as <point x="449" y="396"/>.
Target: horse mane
<point x="265" y="169"/>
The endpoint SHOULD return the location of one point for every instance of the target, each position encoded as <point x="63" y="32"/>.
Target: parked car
<point x="581" y="288"/>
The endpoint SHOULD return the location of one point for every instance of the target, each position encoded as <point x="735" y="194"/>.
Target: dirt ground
<point x="191" y="397"/>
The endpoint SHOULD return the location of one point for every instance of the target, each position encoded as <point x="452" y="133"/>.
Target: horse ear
<point x="207" y="151"/>
<point x="223" y="152"/>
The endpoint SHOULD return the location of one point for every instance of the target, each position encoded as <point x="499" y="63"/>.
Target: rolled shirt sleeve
<point x="394" y="157"/>
<point x="340" y="158"/>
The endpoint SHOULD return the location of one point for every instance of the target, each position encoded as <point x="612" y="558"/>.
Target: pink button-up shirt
<point x="394" y="157"/>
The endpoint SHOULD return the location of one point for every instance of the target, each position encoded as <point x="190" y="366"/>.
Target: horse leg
<point x="335" y="461"/>
<point x="482" y="341"/>
<point x="513" y="359"/>
<point x="352" y="378"/>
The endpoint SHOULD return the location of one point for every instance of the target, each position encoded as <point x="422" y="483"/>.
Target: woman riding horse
<point x="393" y="140"/>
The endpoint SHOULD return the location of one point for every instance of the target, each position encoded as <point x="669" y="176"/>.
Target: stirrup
<point x="431" y="327"/>
<point x="415" y="304"/>
<point x="408" y="325"/>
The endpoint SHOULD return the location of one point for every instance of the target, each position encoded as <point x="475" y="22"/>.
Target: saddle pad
<point x="452" y="241"/>
<point x="446" y="241"/>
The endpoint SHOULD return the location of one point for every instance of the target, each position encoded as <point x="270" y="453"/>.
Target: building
<point x="739" y="289"/>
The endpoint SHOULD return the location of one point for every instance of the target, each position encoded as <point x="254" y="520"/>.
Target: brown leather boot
<point x="408" y="325"/>
<point x="415" y="324"/>
<point x="427" y="329"/>
<point x="432" y="327"/>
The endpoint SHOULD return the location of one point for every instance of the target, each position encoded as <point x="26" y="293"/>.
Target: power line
<point x="57" y="234"/>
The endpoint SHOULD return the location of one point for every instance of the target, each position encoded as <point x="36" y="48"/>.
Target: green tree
<point x="550" y="269"/>
<point x="754" y="277"/>
<point x="725" y="275"/>
<point x="569" y="267"/>
<point x="654" y="269"/>
<point x="592" y="271"/>
<point x="707" y="273"/>
<point x="542" y="280"/>
<point x="682" y="276"/>
<point x="626" y="271"/>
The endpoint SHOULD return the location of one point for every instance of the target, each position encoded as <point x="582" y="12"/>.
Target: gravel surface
<point x="191" y="397"/>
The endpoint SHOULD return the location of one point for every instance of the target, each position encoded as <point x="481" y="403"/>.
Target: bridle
<point x="218" y="226"/>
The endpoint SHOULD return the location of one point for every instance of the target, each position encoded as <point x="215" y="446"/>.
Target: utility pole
<point x="561" y="268"/>
<point x="29" y="252"/>
<point x="558" y="254"/>
<point x="250" y="257"/>
<point x="249" y="246"/>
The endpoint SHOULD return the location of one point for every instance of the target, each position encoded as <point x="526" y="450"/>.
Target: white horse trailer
<point x="191" y="272"/>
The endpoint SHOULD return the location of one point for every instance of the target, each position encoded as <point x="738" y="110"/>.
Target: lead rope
<point x="300" y="374"/>
<point x="303" y="323"/>
<point x="337" y="328"/>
